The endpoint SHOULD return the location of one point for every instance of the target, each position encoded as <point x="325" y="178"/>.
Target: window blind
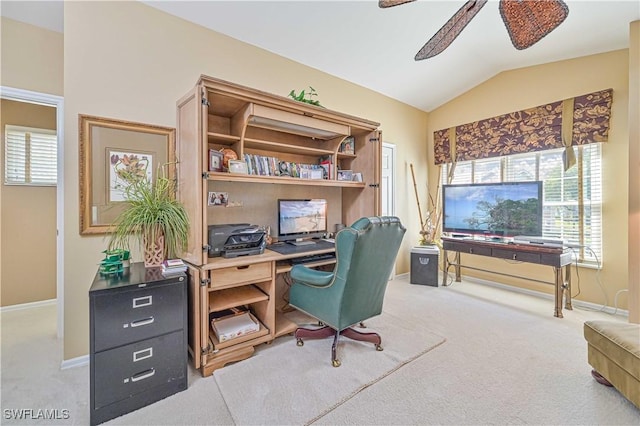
<point x="30" y="156"/>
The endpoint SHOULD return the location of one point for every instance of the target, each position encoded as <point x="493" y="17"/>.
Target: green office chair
<point x="354" y="290"/>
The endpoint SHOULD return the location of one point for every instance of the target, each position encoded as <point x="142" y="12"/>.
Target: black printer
<point x="236" y="239"/>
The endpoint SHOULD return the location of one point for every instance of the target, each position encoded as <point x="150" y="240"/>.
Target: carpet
<point x="283" y="383"/>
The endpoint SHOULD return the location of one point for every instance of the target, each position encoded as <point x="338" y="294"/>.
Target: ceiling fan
<point x="527" y="22"/>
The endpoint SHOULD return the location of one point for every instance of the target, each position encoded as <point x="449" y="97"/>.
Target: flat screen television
<point x="300" y="220"/>
<point x="504" y="209"/>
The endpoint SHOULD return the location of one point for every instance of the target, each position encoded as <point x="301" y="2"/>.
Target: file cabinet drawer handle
<point x="140" y="323"/>
<point x="142" y="354"/>
<point x="140" y="302"/>
<point x="144" y="375"/>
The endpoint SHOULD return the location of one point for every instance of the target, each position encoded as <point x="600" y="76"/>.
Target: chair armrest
<point x="311" y="277"/>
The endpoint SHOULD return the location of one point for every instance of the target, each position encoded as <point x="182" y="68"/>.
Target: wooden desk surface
<point x="267" y="256"/>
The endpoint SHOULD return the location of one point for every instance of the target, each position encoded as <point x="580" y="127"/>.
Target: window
<point x="30" y="156"/>
<point x="572" y="208"/>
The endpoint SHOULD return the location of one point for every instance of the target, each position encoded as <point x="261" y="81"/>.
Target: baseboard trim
<point x="28" y="305"/>
<point x="75" y="362"/>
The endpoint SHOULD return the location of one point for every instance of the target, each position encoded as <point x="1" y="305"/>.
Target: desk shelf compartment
<point x="217" y="345"/>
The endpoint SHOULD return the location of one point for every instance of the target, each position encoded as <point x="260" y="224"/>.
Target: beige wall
<point x="28" y="220"/>
<point x="527" y="87"/>
<point x="128" y="61"/>
<point x="32" y="57"/>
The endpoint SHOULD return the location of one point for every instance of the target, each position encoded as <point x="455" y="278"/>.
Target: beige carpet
<point x="287" y="384"/>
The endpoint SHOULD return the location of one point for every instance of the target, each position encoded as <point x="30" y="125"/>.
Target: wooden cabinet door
<point x="364" y="202"/>
<point x="190" y="155"/>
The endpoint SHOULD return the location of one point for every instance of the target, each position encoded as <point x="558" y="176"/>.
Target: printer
<point x="236" y="239"/>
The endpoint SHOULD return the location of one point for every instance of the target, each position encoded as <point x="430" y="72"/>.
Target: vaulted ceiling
<point x="375" y="48"/>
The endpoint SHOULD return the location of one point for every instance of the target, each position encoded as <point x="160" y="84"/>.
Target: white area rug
<point x="287" y="384"/>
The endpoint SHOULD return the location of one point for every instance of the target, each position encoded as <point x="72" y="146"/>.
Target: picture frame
<point x="218" y="198"/>
<point x="103" y="172"/>
<point x="347" y="146"/>
<point x="345" y="175"/>
<point x="237" y="166"/>
<point x="215" y="160"/>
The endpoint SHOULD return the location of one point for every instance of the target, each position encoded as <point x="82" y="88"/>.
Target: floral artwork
<point x="126" y="168"/>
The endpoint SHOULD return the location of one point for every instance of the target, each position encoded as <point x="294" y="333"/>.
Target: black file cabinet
<point x="138" y="340"/>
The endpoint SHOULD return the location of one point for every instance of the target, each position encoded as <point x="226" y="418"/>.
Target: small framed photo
<point x="215" y="160"/>
<point x="316" y="173"/>
<point x="237" y="166"/>
<point x="345" y="175"/>
<point x="218" y="198"/>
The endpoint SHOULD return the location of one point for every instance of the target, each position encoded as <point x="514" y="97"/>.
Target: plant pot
<point x="153" y="251"/>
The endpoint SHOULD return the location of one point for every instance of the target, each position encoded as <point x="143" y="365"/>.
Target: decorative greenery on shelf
<point x="152" y="211"/>
<point x="301" y="96"/>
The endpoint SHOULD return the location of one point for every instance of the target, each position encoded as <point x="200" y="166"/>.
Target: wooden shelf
<point x="284" y="180"/>
<point x="284" y="325"/>
<point x="232" y="297"/>
<point x="277" y="147"/>
<point x="222" y="139"/>
<point x="342" y="155"/>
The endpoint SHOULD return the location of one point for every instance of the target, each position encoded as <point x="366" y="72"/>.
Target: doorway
<point x="388" y="190"/>
<point x="57" y="102"/>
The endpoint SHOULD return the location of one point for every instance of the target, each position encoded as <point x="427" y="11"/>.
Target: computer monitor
<point x="300" y="220"/>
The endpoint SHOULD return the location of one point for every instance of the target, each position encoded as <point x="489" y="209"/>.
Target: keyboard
<point x="312" y="258"/>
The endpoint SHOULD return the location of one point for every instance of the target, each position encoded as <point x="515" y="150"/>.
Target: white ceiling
<point x="374" y="47"/>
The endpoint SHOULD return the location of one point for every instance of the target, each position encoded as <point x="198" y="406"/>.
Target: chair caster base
<point x="336" y="363"/>
<point x="299" y="342"/>
<point x="379" y="348"/>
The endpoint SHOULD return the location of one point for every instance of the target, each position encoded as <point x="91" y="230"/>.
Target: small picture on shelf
<point x="345" y="175"/>
<point x="215" y="160"/>
<point x="237" y="166"/>
<point x="218" y="198"/>
<point x="348" y="146"/>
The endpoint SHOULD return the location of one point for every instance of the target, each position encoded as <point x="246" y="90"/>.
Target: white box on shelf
<point x="235" y="326"/>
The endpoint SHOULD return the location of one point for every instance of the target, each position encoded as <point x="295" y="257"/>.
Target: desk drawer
<point x="228" y="277"/>
<point x="139" y="367"/>
<point x="465" y="248"/>
<point x="128" y="316"/>
<point x="517" y="255"/>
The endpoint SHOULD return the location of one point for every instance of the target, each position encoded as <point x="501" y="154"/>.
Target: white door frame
<point x="392" y="192"/>
<point x="22" y="95"/>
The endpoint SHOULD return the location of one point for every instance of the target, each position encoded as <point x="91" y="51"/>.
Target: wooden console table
<point x="558" y="258"/>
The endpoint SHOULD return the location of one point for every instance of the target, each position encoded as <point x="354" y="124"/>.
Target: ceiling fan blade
<point x="528" y="21"/>
<point x="391" y="3"/>
<point x="449" y="31"/>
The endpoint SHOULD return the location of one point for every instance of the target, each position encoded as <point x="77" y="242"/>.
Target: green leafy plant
<point x="152" y="210"/>
<point x="305" y="96"/>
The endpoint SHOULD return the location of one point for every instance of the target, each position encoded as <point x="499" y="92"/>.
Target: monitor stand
<point x="301" y="242"/>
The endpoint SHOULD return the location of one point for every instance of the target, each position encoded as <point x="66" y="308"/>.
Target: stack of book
<point x="173" y="266"/>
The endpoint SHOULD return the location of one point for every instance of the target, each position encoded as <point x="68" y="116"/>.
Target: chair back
<point x="365" y="253"/>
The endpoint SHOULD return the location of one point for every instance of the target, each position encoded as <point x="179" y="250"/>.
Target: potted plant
<point x="154" y="217"/>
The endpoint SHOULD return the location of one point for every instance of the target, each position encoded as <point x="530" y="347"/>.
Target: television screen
<point x="298" y="219"/>
<point x="502" y="209"/>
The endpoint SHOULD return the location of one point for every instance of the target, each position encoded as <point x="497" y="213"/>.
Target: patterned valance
<point x="533" y="129"/>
